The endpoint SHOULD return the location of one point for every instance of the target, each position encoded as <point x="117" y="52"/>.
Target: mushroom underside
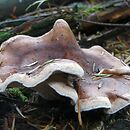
<point x="54" y="64"/>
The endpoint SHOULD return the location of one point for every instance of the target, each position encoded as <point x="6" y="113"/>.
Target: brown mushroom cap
<point x="31" y="61"/>
<point x="112" y="91"/>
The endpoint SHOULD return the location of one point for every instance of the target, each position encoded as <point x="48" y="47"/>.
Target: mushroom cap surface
<point x="31" y="61"/>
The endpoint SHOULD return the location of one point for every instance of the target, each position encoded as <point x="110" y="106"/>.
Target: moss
<point x="93" y="9"/>
<point x="86" y="10"/>
<point x="83" y="10"/>
<point x="18" y="92"/>
<point x="4" y="35"/>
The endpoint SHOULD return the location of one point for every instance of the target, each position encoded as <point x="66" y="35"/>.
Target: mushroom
<point x="54" y="64"/>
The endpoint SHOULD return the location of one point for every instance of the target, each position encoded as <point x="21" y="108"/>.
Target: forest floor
<point x="40" y="114"/>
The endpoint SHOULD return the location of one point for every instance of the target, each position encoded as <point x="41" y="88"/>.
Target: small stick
<point x="32" y="64"/>
<point x="30" y="72"/>
<point x="78" y="105"/>
<point x="122" y="97"/>
<point x="13" y="123"/>
<point x="106" y="24"/>
<point x="18" y="110"/>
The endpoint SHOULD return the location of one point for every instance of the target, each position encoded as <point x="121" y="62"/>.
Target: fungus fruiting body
<point x="54" y="64"/>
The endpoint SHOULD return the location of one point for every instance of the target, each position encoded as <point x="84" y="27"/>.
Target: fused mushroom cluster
<point x="54" y="64"/>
